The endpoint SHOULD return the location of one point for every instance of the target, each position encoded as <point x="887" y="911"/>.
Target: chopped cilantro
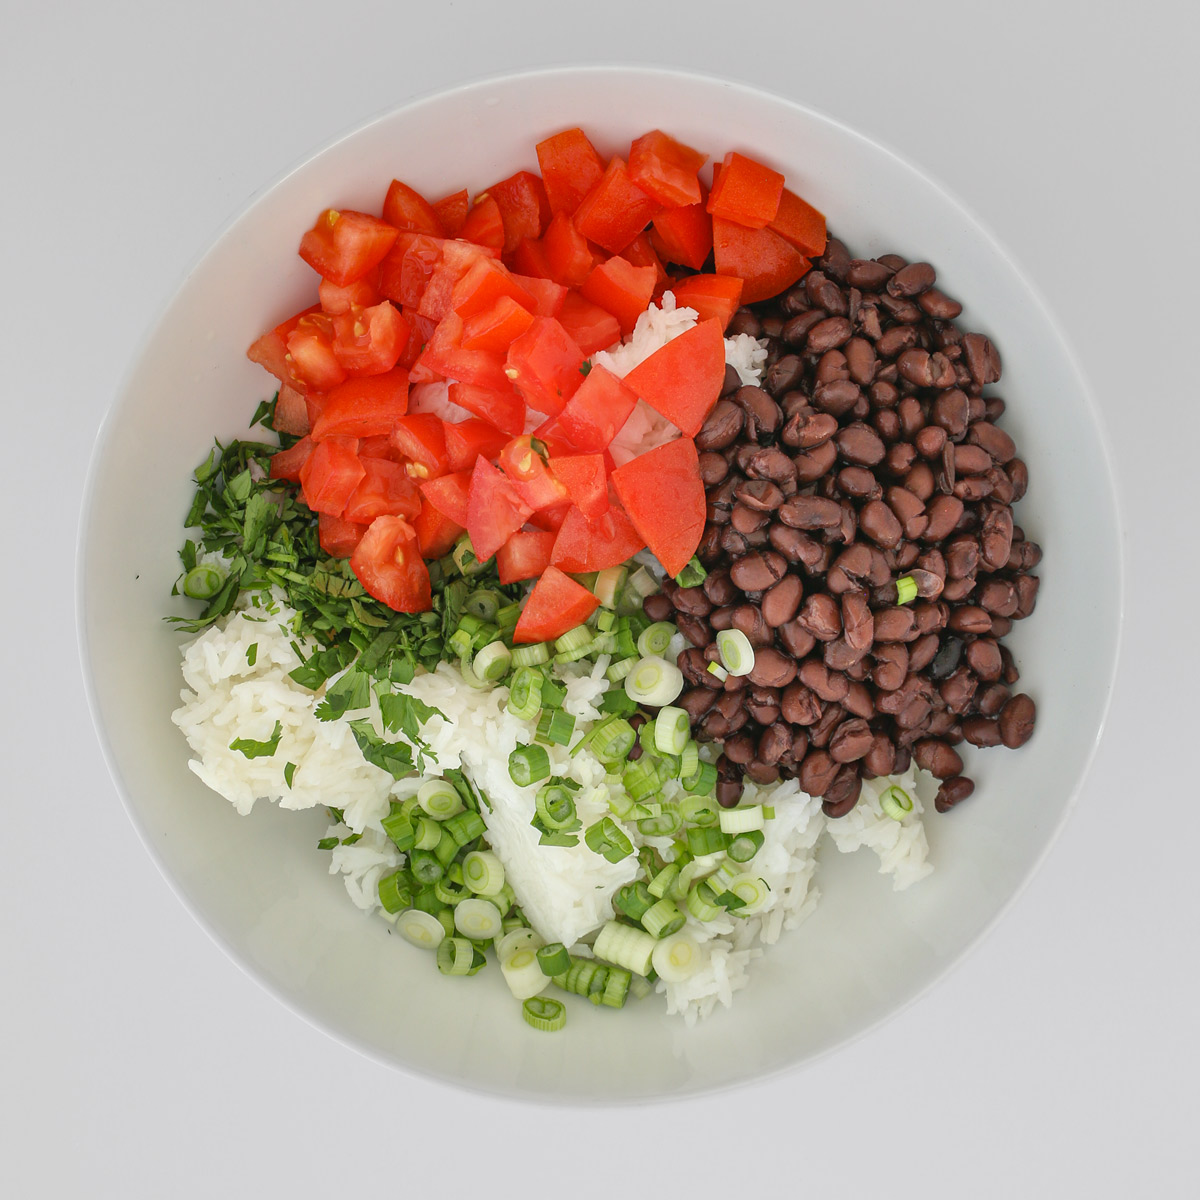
<point x="289" y="773"/>
<point x="327" y="843"/>
<point x="253" y="749"/>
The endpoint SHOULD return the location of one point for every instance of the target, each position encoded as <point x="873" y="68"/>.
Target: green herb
<point x="252" y="654"/>
<point x="289" y="773"/>
<point x="327" y="843"/>
<point x="253" y="749"/>
<point x="393" y="757"/>
<point x="585" y="368"/>
<point x="352" y="691"/>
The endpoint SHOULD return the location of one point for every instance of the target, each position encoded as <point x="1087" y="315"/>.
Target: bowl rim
<point x="515" y="78"/>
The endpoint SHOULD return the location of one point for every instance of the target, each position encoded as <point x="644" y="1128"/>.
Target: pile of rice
<point x="565" y="892"/>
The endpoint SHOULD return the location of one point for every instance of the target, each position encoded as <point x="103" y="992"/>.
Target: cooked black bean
<point x="953" y="791"/>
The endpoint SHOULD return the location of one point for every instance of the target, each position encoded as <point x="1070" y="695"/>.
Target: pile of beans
<point x="870" y="453"/>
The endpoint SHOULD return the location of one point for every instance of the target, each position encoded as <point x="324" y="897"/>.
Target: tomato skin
<point x="421" y="439"/>
<point x="495" y="509"/>
<point x="450" y="495"/>
<point x="496" y="328"/>
<point x="550" y="520"/>
<point x="568" y="257"/>
<point x="385" y="490"/>
<point x="622" y="289"/>
<point x="682" y="380"/>
<point x="798" y="223"/>
<point x="595" y="414"/>
<point x="343" y="246"/>
<point x="444" y="354"/>
<point x="588" y="325"/>
<point x="365" y="407"/>
<point x="436" y="533"/>
<point x="524" y="209"/>
<point x="362" y="293"/>
<point x="556" y="604"/>
<point x="712" y="296"/>
<point x="502" y="408"/>
<point x="683" y="235"/>
<point x="291" y="412"/>
<point x="570" y="168"/>
<point x="370" y="341"/>
<point x="545" y="361"/>
<point x="525" y="555"/>
<point x="666" y="169"/>
<point x="584" y="545"/>
<point x="662" y="492"/>
<point x="765" y="263"/>
<point x="406" y="271"/>
<point x="389" y="565"/>
<point x="484" y="225"/>
<point x="537" y="487"/>
<point x="529" y="259"/>
<point x="338" y="537"/>
<point x="330" y="475"/>
<point x="548" y="296"/>
<point x="312" y="361"/>
<point x="616" y="210"/>
<point x="486" y="282"/>
<point x="584" y="477"/>
<point x="467" y="440"/>
<point x="287" y="464"/>
<point x="452" y="212"/>
<point x="405" y="208"/>
<point x="745" y="191"/>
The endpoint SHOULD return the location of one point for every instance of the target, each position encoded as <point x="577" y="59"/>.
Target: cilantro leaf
<point x="393" y="757"/>
<point x="351" y="691"/>
<point x="253" y="749"/>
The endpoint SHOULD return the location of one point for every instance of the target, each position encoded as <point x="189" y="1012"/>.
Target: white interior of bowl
<point x="259" y="885"/>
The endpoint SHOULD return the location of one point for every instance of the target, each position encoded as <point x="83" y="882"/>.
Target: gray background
<point x="138" y="1061"/>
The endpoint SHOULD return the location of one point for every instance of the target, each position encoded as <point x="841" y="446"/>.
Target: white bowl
<point x="258" y="884"/>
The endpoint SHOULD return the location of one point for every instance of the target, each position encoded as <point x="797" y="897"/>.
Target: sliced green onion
<point x="461" y="643"/>
<point x="703" y="782"/>
<point x="606" y="621"/>
<point x="654" y="682"/>
<point x="425" y="900"/>
<point x="394" y="892"/>
<point x="677" y="958"/>
<point x="484" y="604"/>
<point x="616" y="987"/>
<point x="425" y="867"/>
<point x="608" y="585"/>
<point x="485" y="636"/>
<point x="455" y="956"/>
<point x="555" y="727"/>
<point x="717" y="671"/>
<point x="449" y="891"/>
<point x="741" y="819"/>
<point x="689" y="760"/>
<point x="448" y="846"/>
<point x="745" y="845"/>
<point x="531" y="656"/>
<point x="640" y="585"/>
<point x="661" y="883"/>
<point x="528" y="765"/>
<point x="581" y="635"/>
<point x="522" y="974"/>
<point x="737" y="654"/>
<point x="606" y="838"/>
<point x="641" y="778"/>
<point x="663" y="919"/>
<point x="626" y="642"/>
<point x="507" y="617"/>
<point x="483" y="873"/>
<point x="544" y="1014"/>
<point x="421" y="928"/>
<point x="553" y="694"/>
<point x="625" y="946"/>
<point x="504" y="899"/>
<point x="492" y="662"/>
<point x="524" y="692"/>
<point x="469" y="623"/>
<point x="478" y="919"/>
<point x="399" y="828"/>
<point x="896" y="802"/>
<point x="439" y="799"/>
<point x="464" y="827"/>
<point x="701" y="903"/>
<point x="468" y="673"/>
<point x="640" y="988"/>
<point x="906" y="589"/>
<point x="203" y="581"/>
<point x="618" y="669"/>
<point x="692" y="575"/>
<point x="612" y="740"/>
<point x="555" y="806"/>
<point x="699" y="810"/>
<point x="655" y="639"/>
<point x="620" y="804"/>
<point x="701" y="840"/>
<point x="768" y="813"/>
<point x="553" y="959"/>
<point x="672" y="730"/>
<point x="517" y="939"/>
<point x="662" y="824"/>
<point x="464" y="556"/>
<point x="752" y="891"/>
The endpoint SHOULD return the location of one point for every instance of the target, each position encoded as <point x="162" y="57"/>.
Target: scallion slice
<point x="492" y="662"/>
<point x="752" y="891"/>
<point x="421" y="928"/>
<point x="655" y="639"/>
<point x="395" y="894"/>
<point x="484" y="604"/>
<point x="524" y="693"/>
<point x="522" y="974"/>
<point x="618" y="669"/>
<point x="737" y="654"/>
<point x="663" y="919"/>
<point x="701" y="903"/>
<point x="654" y="682"/>
<point x="464" y="827"/>
<point x="439" y="799"/>
<point x="483" y="873"/>
<point x="641" y="778"/>
<point x="528" y="765"/>
<point x="608" y="585"/>
<point x="555" y="727"/>
<point x="203" y="581"/>
<point x="455" y="956"/>
<point x="544" y="1014"/>
<point x="701" y="840"/>
<point x="692" y="575"/>
<point x="625" y="946"/>
<point x="616" y="987"/>
<point x="478" y="919"/>
<point x="612" y="740"/>
<point x="425" y="867"/>
<point x="745" y="845"/>
<point x="896" y="803"/>
<point x="703" y="782"/>
<point x="662" y="824"/>
<point x="573" y="639"/>
<point x="553" y="959"/>
<point x="699" y="810"/>
<point x="672" y="730"/>
<point x="677" y="958"/>
<point x="606" y="838"/>
<point x="741" y="819"/>
<point x="906" y="589"/>
<point x="507" y="617"/>
<point x="555" y="806"/>
<point x="717" y="671"/>
<point x="531" y="656"/>
<point x="661" y="883"/>
<point x="515" y="940"/>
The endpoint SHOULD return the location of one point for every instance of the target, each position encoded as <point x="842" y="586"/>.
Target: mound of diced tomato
<point x="501" y="303"/>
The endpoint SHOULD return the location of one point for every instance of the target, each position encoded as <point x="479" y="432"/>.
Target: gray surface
<point x="139" y="1062"/>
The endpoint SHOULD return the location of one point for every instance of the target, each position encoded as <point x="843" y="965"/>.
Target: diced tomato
<point x="485" y="282"/>
<point x="570" y="169"/>
<point x="584" y="478"/>
<point x="378" y="445"/>
<point x="798" y="223"/>
<point x="420" y="331"/>
<point x="370" y="341"/>
<point x="388" y="564"/>
<point x="595" y="414"/>
<point x="529" y="259"/>
<point x="495" y="509"/>
<point x="330" y="475"/>
<point x="524" y="209"/>
<point x="622" y="289"/>
<point x="457" y="260"/>
<point x="502" y="408"/>
<point x="270" y="351"/>
<point x="406" y="208"/>
<point x="313" y="363"/>
<point x="662" y="492"/>
<point x="616" y="210"/>
<point x="496" y="328"/>
<point x="344" y="246"/>
<point x="314" y="405"/>
<point x="449" y="494"/>
<point x="584" y="545"/>
<point x="759" y="257"/>
<point x="683" y="235"/>
<point x="548" y="296"/>
<point x="287" y="464"/>
<point x="405" y="272"/>
<point x="712" y="296"/>
<point x="550" y="520"/>
<point x="445" y="355"/>
<point x="385" y="490"/>
<point x="666" y="169"/>
<point x="467" y="440"/>
<point x="682" y="380"/>
<point x="436" y="533"/>
<point x="362" y="293"/>
<point x="420" y="438"/>
<point x="567" y="254"/>
<point x="641" y="253"/>
<point x="545" y="361"/>
<point x="588" y="325"/>
<point x="291" y="412"/>
<point x="745" y="191"/>
<point x="556" y="604"/>
<point x="528" y="471"/>
<point x="452" y="212"/>
<point x="338" y="537"/>
<point x="484" y="225"/>
<point x="364" y="407"/>
<point x="525" y="555"/>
